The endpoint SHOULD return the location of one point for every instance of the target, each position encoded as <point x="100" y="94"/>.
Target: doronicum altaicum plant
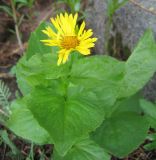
<point x="87" y="106"/>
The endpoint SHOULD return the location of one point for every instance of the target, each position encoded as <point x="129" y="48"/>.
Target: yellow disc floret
<point x="69" y="42"/>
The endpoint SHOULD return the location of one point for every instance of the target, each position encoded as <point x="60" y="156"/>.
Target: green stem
<point x="16" y="26"/>
<point x="31" y="155"/>
<point x="107" y="34"/>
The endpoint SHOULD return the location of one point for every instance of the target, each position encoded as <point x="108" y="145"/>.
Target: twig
<point x="6" y="75"/>
<point x="16" y="26"/>
<point x="150" y="10"/>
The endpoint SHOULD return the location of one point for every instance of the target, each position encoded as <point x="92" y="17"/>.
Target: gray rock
<point x="149" y="90"/>
<point x="130" y="21"/>
<point x="96" y="19"/>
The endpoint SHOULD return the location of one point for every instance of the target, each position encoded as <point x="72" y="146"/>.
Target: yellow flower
<point x="68" y="37"/>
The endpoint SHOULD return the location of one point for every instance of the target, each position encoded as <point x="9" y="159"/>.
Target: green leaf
<point x="6" y="9"/>
<point x="114" y="5"/>
<point x="150" y="146"/>
<point x="100" y="68"/>
<point x="121" y="134"/>
<point x="35" y="46"/>
<point x="6" y="140"/>
<point x="66" y="113"/>
<point x="151" y="136"/>
<point x="30" y="74"/>
<point x="77" y="7"/>
<point x="150" y="110"/>
<point x="21" y="1"/>
<point x="23" y="124"/>
<point x="85" y="149"/>
<point x="4" y="96"/>
<point x="140" y="66"/>
<point x="31" y="2"/>
<point x="130" y="104"/>
<point x="21" y="74"/>
<point x="100" y="74"/>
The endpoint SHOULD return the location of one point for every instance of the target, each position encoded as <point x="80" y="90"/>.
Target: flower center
<point x="69" y="42"/>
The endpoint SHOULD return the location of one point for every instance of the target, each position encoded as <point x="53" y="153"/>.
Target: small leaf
<point x="4" y="97"/>
<point x="114" y="5"/>
<point x="150" y="110"/>
<point x="7" y="10"/>
<point x="21" y="1"/>
<point x="7" y="141"/>
<point x="150" y="146"/>
<point x="77" y="7"/>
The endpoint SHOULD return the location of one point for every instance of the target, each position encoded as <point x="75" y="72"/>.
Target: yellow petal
<point x="86" y="34"/>
<point x="81" y="28"/>
<point x="60" y="56"/>
<point x="75" y="20"/>
<point x="66" y="55"/>
<point x="90" y="45"/>
<point x="89" y="40"/>
<point x="56" y="25"/>
<point x="50" y="42"/>
<point x="83" y="51"/>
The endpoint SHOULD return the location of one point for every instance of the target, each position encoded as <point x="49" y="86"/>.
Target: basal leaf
<point x="129" y="104"/>
<point x="122" y="134"/>
<point x="84" y="150"/>
<point x="67" y="114"/>
<point x="23" y="124"/>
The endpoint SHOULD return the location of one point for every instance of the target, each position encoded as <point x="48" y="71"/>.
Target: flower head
<point x="68" y="37"/>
